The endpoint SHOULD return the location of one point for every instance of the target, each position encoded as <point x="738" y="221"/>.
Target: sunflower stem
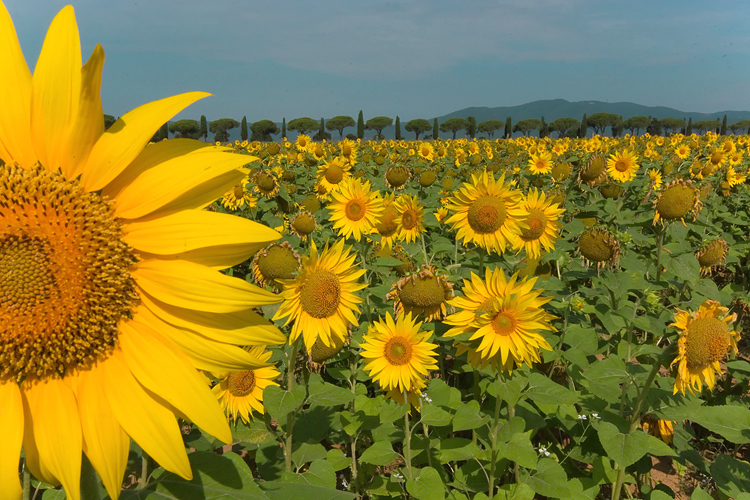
<point x="659" y="246"/>
<point x="144" y="470"/>
<point x="353" y="442"/>
<point x="290" y="416"/>
<point x="26" y="482"/>
<point x="424" y="249"/>
<point x="407" y="438"/>
<point x="493" y="438"/>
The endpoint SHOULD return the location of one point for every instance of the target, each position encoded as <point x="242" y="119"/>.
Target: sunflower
<point x="321" y="300"/>
<point x="593" y="171"/>
<point x="278" y="261"/>
<point x="348" y="151"/>
<point x="303" y="224"/>
<point x="676" y="200"/>
<point x="735" y="178"/>
<point x="356" y="209"/>
<point x="106" y="324"/>
<point x="410" y="219"/>
<point x="705" y="338"/>
<point x="542" y="226"/>
<point x="682" y="151"/>
<point x="397" y="176"/>
<point x="599" y="245"/>
<point x="303" y="142"/>
<point x="398" y="355"/>
<point x="540" y="163"/>
<point x="387" y="226"/>
<point x="426" y="151"/>
<point x="266" y="184"/>
<point x="238" y="196"/>
<point x="241" y="392"/>
<point x="423" y="292"/>
<point x="623" y="166"/>
<point x="331" y="173"/>
<point x="712" y="255"/>
<point x="656" y="178"/>
<point x="486" y="212"/>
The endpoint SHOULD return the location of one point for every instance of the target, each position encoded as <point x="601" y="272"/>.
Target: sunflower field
<point x="448" y="319"/>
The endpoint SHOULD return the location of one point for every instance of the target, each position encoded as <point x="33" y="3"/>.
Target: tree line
<point x="598" y="123"/>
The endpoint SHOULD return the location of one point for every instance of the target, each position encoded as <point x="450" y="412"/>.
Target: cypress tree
<point x="582" y="132"/>
<point x="689" y="128"/>
<point x="243" y="129"/>
<point x="322" y="130"/>
<point x="283" y="129"/>
<point x="435" y="130"/>
<point x="508" y="128"/>
<point x="204" y="127"/>
<point x="543" y="128"/>
<point x="398" y="128"/>
<point x="360" y="126"/>
<point x="723" y="130"/>
<point x="472" y="127"/>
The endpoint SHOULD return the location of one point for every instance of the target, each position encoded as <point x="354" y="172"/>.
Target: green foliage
<point x="262" y="130"/>
<point x="321" y="134"/>
<point x="453" y="125"/>
<point x="188" y="129"/>
<point x="703" y="126"/>
<point x="634" y="124"/>
<point x="303" y="125"/>
<point x="670" y="125"/>
<point x="564" y="125"/>
<point x="283" y="128"/>
<point x="471" y="131"/>
<point x="418" y="126"/>
<point x="360" y="126"/>
<point x="339" y="123"/>
<point x="378" y="123"/>
<point x="109" y="120"/>
<point x="527" y="125"/>
<point x="599" y="122"/>
<point x="508" y="128"/>
<point x="489" y="127"/>
<point x="243" y="129"/>
<point x="398" y="135"/>
<point x="220" y="128"/>
<point x="435" y="129"/>
<point x="204" y="128"/>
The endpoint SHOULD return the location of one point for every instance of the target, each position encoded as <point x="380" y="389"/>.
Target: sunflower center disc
<point x="266" y="182"/>
<point x="354" y="210"/>
<point x="398" y="351"/>
<point x="707" y="341"/>
<point x="320" y="294"/>
<point x="304" y="224"/>
<point x="537" y="222"/>
<point x="422" y="292"/>
<point x="409" y="219"/>
<point x="278" y="263"/>
<point x="503" y="324"/>
<point x="334" y="174"/>
<point x="241" y="383"/>
<point x="621" y="166"/>
<point x="64" y="274"/>
<point x="487" y="214"/>
<point x="387" y="226"/>
<point x="238" y="192"/>
<point x="676" y="201"/>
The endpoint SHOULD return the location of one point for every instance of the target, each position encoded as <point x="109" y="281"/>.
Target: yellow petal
<point x="196" y="229"/>
<point x="201" y="196"/>
<point x="150" y="424"/>
<point x="164" y="369"/>
<point x="15" y="87"/>
<point x="166" y="182"/>
<point x="53" y="408"/>
<point x="204" y="353"/>
<point x="104" y="440"/>
<point x="11" y="422"/>
<point x="89" y="123"/>
<point x="192" y="286"/>
<point x="124" y="140"/>
<point x="56" y="90"/>
<point x="245" y="327"/>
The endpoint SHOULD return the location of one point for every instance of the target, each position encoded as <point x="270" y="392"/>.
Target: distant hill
<point x="552" y="109"/>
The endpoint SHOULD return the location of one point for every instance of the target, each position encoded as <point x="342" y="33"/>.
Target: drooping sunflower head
<point x="677" y="199"/>
<point x="387" y="226"/>
<point x="311" y="203"/>
<point x="599" y="245"/>
<point x="487" y="212"/>
<point x="278" y="261"/>
<point x="266" y="184"/>
<point x="397" y="176"/>
<point x="561" y="171"/>
<point x="425" y="292"/>
<point x="427" y="178"/>
<point x="356" y="209"/>
<point x="712" y="254"/>
<point x="321" y="299"/>
<point x="320" y="352"/>
<point x="398" y="355"/>
<point x="556" y="196"/>
<point x="541" y="225"/>
<point x="593" y="171"/>
<point x="611" y="191"/>
<point x="705" y="339"/>
<point x="303" y="224"/>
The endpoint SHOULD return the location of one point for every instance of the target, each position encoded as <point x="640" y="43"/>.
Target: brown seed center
<point x="321" y="293"/>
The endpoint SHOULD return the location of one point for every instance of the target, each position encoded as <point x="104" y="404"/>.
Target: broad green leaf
<point x="432" y="414"/>
<point x="380" y="453"/>
<point x="324" y="394"/>
<point x="699" y="494"/>
<point x="731" y="422"/>
<point x="303" y="453"/>
<point x="279" y="403"/>
<point x="520" y="450"/>
<point x="582" y="488"/>
<point x="626" y="449"/>
<point x="515" y="491"/>
<point x="457" y="449"/>
<point x="388" y="262"/>
<point x="543" y="390"/>
<point x="732" y="476"/>
<point x="549" y="479"/>
<point x="604" y="378"/>
<point x="337" y="459"/>
<point x="427" y="486"/>
<point x="467" y="417"/>
<point x="252" y="433"/>
<point x="582" y="341"/>
<point x="509" y="387"/>
<point x="214" y="477"/>
<point x="320" y="473"/>
<point x="276" y="490"/>
<point x="684" y="266"/>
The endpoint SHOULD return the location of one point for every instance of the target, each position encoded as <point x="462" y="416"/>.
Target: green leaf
<point x="510" y="388"/>
<point x="380" y="453"/>
<point x="214" y="477"/>
<point x="731" y="422"/>
<point x="549" y="479"/>
<point x="543" y="390"/>
<point x="520" y="450"/>
<point x="320" y="473"/>
<point x="699" y="494"/>
<point x="337" y="459"/>
<point x="457" y="449"/>
<point x="732" y="476"/>
<point x="276" y="490"/>
<point x="388" y="262"/>
<point x="684" y="266"/>
<point x="626" y="449"/>
<point x="325" y="394"/>
<point x="515" y="491"/>
<point x="252" y="433"/>
<point x="303" y="453"/>
<point x="467" y="417"/>
<point x="427" y="486"/>
<point x="604" y="378"/>
<point x="582" y="342"/>
<point x="432" y="414"/>
<point x="279" y="403"/>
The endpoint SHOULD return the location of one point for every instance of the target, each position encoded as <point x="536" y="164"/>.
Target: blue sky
<point x="415" y="59"/>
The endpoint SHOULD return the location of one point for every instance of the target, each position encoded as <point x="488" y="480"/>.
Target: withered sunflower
<point x="423" y="292"/>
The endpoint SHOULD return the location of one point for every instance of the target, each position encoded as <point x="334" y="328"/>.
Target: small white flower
<point x="595" y="415"/>
<point x="543" y="451"/>
<point x="398" y="475"/>
<point x="582" y="417"/>
<point x="426" y="398"/>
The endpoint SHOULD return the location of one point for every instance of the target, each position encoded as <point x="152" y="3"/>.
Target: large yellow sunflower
<point x="321" y="300"/>
<point x="623" y="166"/>
<point x="705" y="339"/>
<point x="540" y="163"/>
<point x="486" y="212"/>
<point x="410" y="220"/>
<point x="331" y="173"/>
<point x="356" y="209"/>
<point x="241" y="392"/>
<point x="398" y="354"/>
<point x="112" y="295"/>
<point x="542" y="225"/>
